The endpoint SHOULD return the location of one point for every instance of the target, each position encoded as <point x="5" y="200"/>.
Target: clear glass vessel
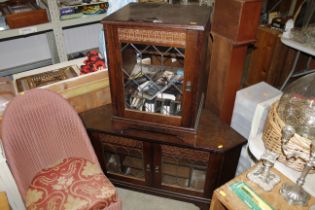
<point x="297" y="106"/>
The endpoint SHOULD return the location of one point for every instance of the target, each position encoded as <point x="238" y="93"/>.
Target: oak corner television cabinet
<point x="157" y="66"/>
<point x="163" y="164"/>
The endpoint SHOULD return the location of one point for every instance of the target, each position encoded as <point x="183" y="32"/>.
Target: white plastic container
<point x="245" y="105"/>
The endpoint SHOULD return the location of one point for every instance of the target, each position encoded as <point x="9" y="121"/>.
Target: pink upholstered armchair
<point x="51" y="157"/>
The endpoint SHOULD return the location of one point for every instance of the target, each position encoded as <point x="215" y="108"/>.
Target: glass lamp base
<point x="266" y="182"/>
<point x="294" y="194"/>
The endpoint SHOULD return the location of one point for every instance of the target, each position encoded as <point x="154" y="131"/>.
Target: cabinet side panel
<point x="225" y="76"/>
<point x="219" y="67"/>
<point x="214" y="168"/>
<point x="193" y="69"/>
<point x="229" y="164"/>
<point x="114" y="69"/>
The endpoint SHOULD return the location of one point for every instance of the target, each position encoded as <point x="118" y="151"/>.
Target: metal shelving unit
<point x="11" y="33"/>
<point x="53" y="30"/>
<point x="83" y="20"/>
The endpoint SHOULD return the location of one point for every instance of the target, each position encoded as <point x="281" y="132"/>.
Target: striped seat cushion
<point x="72" y="184"/>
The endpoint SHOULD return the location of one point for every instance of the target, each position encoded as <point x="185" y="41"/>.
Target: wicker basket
<point x="272" y="141"/>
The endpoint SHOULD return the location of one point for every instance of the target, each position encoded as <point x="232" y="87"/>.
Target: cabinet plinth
<point x="164" y="164"/>
<point x="157" y="66"/>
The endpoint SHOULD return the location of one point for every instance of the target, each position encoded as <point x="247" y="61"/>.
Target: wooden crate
<point x="85" y="92"/>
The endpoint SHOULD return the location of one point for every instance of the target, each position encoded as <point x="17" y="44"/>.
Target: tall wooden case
<point x="157" y="57"/>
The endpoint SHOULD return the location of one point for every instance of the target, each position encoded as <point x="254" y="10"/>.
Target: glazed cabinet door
<point x="155" y="73"/>
<point x="180" y="169"/>
<point x="123" y="158"/>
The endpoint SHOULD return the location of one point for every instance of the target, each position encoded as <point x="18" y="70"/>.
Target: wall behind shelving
<point x="82" y="38"/>
<point x="21" y="51"/>
<point x="33" y="49"/>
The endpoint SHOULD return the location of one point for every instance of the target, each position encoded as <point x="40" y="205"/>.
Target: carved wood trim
<point x="117" y="140"/>
<point x="170" y="38"/>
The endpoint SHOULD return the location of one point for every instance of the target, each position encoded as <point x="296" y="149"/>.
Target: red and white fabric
<point x="72" y="184"/>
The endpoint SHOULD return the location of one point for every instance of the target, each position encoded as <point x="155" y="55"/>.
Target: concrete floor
<point x="132" y="200"/>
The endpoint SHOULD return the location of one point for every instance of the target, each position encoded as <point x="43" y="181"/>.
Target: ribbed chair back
<point x="39" y="128"/>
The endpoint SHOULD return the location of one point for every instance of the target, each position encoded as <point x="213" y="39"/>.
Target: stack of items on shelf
<point x="92" y="63"/>
<point x="77" y="8"/>
<point x="21" y="14"/>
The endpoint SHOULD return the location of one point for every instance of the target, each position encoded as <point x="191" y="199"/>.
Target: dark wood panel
<point x="250" y="16"/>
<point x="114" y="67"/>
<point x="193" y="70"/>
<point x="271" y="61"/>
<point x="173" y="16"/>
<point x="224" y="76"/>
<point x="148" y="150"/>
<point x="236" y="20"/>
<point x="214" y="169"/>
<point x="157" y="167"/>
<point x="229" y="164"/>
<point x="233" y="28"/>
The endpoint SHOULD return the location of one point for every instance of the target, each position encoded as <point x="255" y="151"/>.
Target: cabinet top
<point x="192" y="17"/>
<point x="212" y="135"/>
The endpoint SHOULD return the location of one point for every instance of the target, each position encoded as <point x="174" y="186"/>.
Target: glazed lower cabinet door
<point x="181" y="169"/>
<point x="123" y="158"/>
